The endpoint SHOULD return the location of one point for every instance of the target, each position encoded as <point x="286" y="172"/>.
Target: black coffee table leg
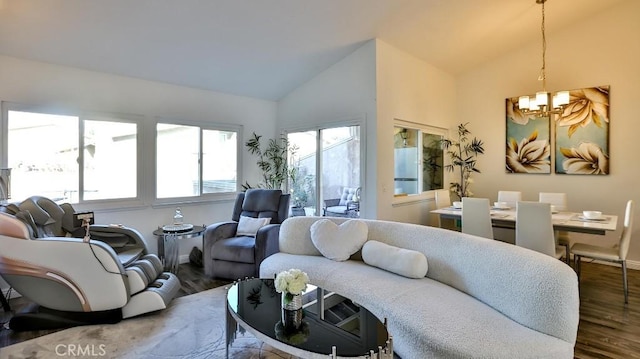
<point x="231" y="327"/>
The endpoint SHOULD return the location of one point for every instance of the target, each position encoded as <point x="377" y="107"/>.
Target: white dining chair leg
<point x="624" y="282"/>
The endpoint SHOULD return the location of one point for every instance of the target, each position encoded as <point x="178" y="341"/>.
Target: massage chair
<point x="75" y="276"/>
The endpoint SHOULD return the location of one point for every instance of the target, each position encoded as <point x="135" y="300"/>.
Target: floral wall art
<point x="582" y="133"/>
<point x="528" y="148"/>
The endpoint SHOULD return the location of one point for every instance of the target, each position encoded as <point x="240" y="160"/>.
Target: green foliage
<point x="432" y="165"/>
<point x="463" y="154"/>
<point x="302" y="185"/>
<point x="272" y="161"/>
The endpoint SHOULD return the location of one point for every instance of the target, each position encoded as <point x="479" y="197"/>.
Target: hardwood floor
<point x="608" y="328"/>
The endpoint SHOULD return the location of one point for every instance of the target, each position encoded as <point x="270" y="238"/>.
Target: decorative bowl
<point x="457" y="204"/>
<point x="592" y="214"/>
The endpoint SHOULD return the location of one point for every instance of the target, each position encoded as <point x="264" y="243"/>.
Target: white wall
<point x="408" y="89"/>
<point x="377" y="83"/>
<point x="343" y="92"/>
<point x="34" y="83"/>
<point x="602" y="51"/>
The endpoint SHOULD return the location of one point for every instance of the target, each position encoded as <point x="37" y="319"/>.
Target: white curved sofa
<point x="480" y="298"/>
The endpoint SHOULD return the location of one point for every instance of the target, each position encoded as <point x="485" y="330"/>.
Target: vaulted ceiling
<point x="266" y="48"/>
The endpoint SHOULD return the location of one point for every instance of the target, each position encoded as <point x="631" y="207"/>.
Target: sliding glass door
<point x="303" y="156"/>
<point x="326" y="172"/>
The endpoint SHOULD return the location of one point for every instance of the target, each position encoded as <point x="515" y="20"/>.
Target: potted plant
<point x="463" y="154"/>
<point x="301" y="187"/>
<point x="272" y="160"/>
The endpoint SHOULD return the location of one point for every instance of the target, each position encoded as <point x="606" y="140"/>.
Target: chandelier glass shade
<point x="543" y="103"/>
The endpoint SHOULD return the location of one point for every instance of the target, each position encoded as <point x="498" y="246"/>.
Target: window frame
<point x="145" y="152"/>
<point x="202" y="197"/>
<point x="421" y="128"/>
<point x="82" y="117"/>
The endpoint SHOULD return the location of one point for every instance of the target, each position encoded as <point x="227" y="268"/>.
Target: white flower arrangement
<point x="291" y="282"/>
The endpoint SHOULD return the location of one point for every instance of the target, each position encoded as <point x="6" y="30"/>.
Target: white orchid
<point x="588" y="158"/>
<point x="530" y="155"/>
<point x="585" y="106"/>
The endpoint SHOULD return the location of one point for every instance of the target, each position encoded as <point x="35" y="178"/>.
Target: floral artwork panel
<point x="528" y="145"/>
<point x="582" y="133"/>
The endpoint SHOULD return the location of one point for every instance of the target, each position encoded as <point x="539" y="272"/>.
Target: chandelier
<point x="539" y="105"/>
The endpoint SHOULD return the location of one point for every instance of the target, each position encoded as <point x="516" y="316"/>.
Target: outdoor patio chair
<point x="348" y="205"/>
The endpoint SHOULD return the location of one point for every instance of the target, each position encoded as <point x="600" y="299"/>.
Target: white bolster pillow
<point x="405" y="262"/>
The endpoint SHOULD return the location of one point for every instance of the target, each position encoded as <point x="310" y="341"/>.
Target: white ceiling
<point x="266" y="48"/>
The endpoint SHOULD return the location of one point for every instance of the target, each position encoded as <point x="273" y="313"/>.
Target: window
<point x="193" y="160"/>
<point x="43" y="150"/>
<point x="418" y="159"/>
<point x="336" y="152"/>
<point x="110" y="163"/>
<point x="79" y="157"/>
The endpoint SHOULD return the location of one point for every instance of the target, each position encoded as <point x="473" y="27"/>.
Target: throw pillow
<point x="248" y="226"/>
<point x="338" y="242"/>
<point x="402" y="261"/>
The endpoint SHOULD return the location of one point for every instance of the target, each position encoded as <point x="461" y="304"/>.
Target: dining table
<point x="562" y="220"/>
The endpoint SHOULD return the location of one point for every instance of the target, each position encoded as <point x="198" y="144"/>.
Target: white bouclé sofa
<point x="480" y="298"/>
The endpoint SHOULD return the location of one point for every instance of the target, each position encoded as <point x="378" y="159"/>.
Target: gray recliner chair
<point x="76" y="281"/>
<point x="231" y="256"/>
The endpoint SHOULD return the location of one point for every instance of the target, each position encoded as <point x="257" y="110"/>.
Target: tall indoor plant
<point x="463" y="153"/>
<point x="272" y="161"/>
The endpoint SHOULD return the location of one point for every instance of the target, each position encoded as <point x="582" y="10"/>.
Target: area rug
<point x="191" y="327"/>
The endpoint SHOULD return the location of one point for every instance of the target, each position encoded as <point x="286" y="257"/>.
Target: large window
<point x="418" y="159"/>
<point x="336" y="152"/>
<point x="71" y="158"/>
<point x="194" y="160"/>
<point x="78" y="157"/>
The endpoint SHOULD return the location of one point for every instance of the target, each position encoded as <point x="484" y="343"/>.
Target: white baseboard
<point x="630" y="264"/>
<point x="635" y="265"/>
<point x="183" y="259"/>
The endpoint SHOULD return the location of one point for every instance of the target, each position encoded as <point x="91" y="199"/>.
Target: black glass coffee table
<point x="332" y="324"/>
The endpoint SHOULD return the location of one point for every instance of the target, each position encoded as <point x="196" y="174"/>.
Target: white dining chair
<point x="534" y="229"/>
<point x="559" y="201"/>
<point x="443" y="200"/>
<point x="511" y="197"/>
<point x="616" y="254"/>
<point x="476" y="217"/>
